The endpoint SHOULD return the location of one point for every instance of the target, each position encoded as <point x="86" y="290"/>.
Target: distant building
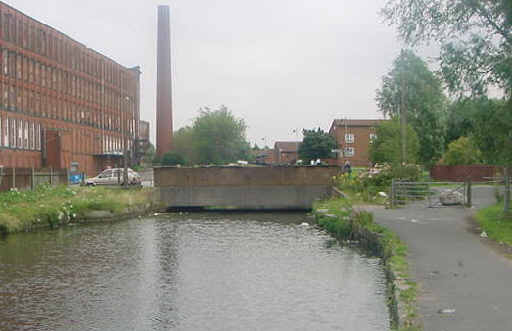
<point x="265" y="156"/>
<point x="353" y="138"/>
<point x="286" y="152"/>
<point x="143" y="143"/>
<point x="62" y="104"/>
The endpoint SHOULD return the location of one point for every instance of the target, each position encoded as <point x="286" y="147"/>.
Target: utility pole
<point x="125" y="144"/>
<point x="403" y="118"/>
<point x="506" y="195"/>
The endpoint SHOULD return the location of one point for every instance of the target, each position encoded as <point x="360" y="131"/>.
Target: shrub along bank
<point x="368" y="186"/>
<point x="339" y="218"/>
<point x="48" y="206"/>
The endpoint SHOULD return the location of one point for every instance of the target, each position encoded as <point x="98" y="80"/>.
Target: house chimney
<point x="164" y="84"/>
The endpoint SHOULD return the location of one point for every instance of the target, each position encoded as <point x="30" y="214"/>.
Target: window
<point x="12" y="132"/>
<point x="19" y="60"/>
<point x="31" y="135"/>
<point x="19" y="128"/>
<point x="25" y="134"/>
<point x="349" y="151"/>
<point x="6" y="132"/>
<point x="38" y="136"/>
<point x="373" y="136"/>
<point x="5" y="64"/>
<point x="349" y="138"/>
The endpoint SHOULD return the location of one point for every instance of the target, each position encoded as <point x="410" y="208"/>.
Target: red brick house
<point x="265" y="156"/>
<point x="353" y="138"/>
<point x="286" y="152"/>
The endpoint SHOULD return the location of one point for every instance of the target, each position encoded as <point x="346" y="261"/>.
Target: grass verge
<point x="343" y="222"/>
<point x="493" y="221"/>
<point x="52" y="206"/>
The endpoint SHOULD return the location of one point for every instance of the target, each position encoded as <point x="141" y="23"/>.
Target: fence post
<point x="32" y="186"/>
<point x="51" y="176"/>
<point x="14" y="177"/>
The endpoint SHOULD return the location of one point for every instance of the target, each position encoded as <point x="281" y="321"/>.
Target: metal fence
<point x="403" y="192"/>
<point x="29" y="178"/>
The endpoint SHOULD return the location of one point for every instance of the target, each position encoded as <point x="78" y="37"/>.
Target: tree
<point x="184" y="144"/>
<point x="467" y="114"/>
<point x="220" y="137"/>
<point x="216" y="136"/>
<point x="492" y="132"/>
<point x="462" y="152"/>
<point x="459" y="122"/>
<point x="476" y="44"/>
<point x="386" y="147"/>
<point x="316" y="144"/>
<point x="475" y="38"/>
<point x="411" y="83"/>
<point x="173" y="158"/>
<point x="148" y="154"/>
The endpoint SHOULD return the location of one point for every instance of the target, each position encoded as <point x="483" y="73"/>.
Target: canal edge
<point x="132" y="203"/>
<point x="342" y="221"/>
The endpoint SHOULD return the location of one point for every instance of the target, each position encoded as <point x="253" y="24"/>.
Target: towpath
<point x="454" y="267"/>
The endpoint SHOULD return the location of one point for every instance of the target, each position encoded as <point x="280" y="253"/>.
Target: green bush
<point x="172" y="158"/>
<point x="369" y="184"/>
<point x="462" y="152"/>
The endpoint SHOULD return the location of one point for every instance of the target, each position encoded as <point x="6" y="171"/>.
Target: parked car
<point x="114" y="177"/>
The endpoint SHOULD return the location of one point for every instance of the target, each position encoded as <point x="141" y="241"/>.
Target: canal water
<point x="213" y="271"/>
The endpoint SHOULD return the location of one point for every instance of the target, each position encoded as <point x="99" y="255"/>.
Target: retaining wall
<point x="259" y="188"/>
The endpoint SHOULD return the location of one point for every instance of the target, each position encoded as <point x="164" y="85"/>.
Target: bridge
<point x="243" y="188"/>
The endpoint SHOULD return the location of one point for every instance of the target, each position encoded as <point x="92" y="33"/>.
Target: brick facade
<point x="354" y="136"/>
<point x="61" y="102"/>
<point x="286" y="152"/>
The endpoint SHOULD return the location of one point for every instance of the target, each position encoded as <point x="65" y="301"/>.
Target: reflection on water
<point x="189" y="272"/>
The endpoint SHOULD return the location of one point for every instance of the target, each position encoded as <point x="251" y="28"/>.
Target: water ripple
<point x="189" y="272"/>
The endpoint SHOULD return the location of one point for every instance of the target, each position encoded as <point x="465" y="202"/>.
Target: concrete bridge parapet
<point x="255" y="188"/>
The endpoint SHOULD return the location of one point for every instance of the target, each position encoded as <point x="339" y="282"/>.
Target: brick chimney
<point x="164" y="84"/>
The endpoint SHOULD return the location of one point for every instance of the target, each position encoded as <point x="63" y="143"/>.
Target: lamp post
<point x="125" y="144"/>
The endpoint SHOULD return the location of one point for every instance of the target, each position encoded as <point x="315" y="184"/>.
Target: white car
<point x="114" y="177"/>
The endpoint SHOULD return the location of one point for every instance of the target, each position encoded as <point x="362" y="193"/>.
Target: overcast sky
<point x="279" y="64"/>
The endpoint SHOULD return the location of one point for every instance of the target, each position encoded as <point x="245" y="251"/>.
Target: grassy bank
<point x="339" y="218"/>
<point x="493" y="221"/>
<point x="52" y="206"/>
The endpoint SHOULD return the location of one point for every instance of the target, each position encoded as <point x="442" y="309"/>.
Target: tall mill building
<point x="62" y="105"/>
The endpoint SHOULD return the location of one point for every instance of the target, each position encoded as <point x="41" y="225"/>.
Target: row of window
<point x="350" y="138"/>
<point x="26" y="69"/>
<point x="21" y="134"/>
<point x="36" y="37"/>
<point x="18" y="99"/>
<point x="26" y="135"/>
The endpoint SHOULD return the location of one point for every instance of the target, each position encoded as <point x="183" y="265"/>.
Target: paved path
<point x="455" y="268"/>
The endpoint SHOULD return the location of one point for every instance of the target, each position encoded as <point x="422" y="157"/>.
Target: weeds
<point x="494" y="222"/>
<point x="52" y="206"/>
<point x="339" y="218"/>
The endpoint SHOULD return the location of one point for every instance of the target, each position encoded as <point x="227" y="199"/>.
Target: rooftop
<point x="287" y="146"/>
<point x="350" y="122"/>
